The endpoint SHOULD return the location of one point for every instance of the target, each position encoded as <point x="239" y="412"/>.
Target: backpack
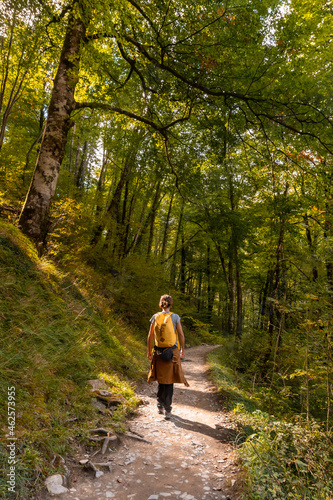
<point x="165" y="335"/>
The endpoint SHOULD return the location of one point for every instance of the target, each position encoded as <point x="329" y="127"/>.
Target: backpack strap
<point x="168" y="315"/>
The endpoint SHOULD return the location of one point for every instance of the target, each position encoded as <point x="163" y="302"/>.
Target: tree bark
<point x="230" y="282"/>
<point x="113" y="211"/>
<point x="173" y="264"/>
<point x="82" y="166"/>
<point x="310" y="243"/>
<point x="34" y="216"/>
<point x="274" y="313"/>
<point x="182" y="280"/>
<point x="239" y="323"/>
<point x="152" y="218"/>
<point x="127" y="224"/>
<point x="166" y="227"/>
<point x="71" y="149"/>
<point x="101" y="184"/>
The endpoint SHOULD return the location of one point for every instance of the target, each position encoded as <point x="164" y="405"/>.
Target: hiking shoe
<point x="160" y="410"/>
<point x="167" y="415"/>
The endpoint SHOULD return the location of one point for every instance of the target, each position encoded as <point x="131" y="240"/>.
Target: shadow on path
<point x="223" y="435"/>
<point x="198" y="399"/>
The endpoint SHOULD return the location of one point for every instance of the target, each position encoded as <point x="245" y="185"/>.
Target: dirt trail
<point x="190" y="457"/>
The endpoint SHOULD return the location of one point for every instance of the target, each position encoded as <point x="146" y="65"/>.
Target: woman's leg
<point x="161" y="397"/>
<point x="168" y="393"/>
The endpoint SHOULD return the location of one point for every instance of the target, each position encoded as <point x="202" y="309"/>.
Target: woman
<point x="166" y="372"/>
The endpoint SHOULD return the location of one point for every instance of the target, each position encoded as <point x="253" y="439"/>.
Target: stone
<point x="110" y="400"/>
<point x="102" y="392"/>
<point x="97" y="384"/>
<point x="55" y="484"/>
<point x="98" y="404"/>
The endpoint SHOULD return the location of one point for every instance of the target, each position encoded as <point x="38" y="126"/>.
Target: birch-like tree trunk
<point x="34" y="216"/>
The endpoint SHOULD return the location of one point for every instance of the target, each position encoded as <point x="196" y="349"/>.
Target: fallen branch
<point x="105" y="445"/>
<point x="90" y="465"/>
<point x="136" y="433"/>
<point x="138" y="438"/>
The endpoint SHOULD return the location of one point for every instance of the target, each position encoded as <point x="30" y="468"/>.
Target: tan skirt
<point x="167" y="372"/>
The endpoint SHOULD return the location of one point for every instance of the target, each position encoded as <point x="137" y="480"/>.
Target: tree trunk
<point x="312" y="252"/>
<point x="166" y="227"/>
<point x="182" y="266"/>
<point x="34" y="216"/>
<point x="327" y="231"/>
<point x="82" y="166"/>
<point x="140" y="230"/>
<point x="114" y="206"/>
<point x="71" y="149"/>
<point x="152" y="218"/>
<point x="263" y="304"/>
<point x="199" y="287"/>
<point x="232" y="297"/>
<point x="127" y="224"/>
<point x="101" y="184"/>
<point x="239" y="323"/>
<point x="273" y="310"/>
<point x="210" y="289"/>
<point x="230" y="282"/>
<point x="77" y="162"/>
<point x="173" y="264"/>
<point x="26" y="166"/>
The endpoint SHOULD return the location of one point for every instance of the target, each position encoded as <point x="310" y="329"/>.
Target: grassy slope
<point x="53" y="339"/>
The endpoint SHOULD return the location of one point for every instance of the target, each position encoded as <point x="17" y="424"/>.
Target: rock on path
<point x="190" y="456"/>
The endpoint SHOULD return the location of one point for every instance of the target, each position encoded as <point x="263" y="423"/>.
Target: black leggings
<point x="164" y="395"/>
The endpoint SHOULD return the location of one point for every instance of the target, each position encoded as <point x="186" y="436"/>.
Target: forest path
<point x="190" y="456"/>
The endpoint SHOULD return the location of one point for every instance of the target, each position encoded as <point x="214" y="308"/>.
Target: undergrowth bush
<point x="285" y="460"/>
<point x="286" y="456"/>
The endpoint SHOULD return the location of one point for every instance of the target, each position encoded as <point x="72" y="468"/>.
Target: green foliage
<point x="285" y="460"/>
<point x="198" y="331"/>
<point x="286" y="455"/>
<point x="234" y="386"/>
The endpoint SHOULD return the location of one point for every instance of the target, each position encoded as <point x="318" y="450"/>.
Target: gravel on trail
<point x="189" y="457"/>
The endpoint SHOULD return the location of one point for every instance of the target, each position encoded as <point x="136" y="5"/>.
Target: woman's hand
<point x="149" y="355"/>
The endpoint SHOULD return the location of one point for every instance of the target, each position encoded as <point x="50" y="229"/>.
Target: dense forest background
<point x="153" y="147"/>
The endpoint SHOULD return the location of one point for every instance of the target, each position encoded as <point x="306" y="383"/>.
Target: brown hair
<point x="165" y="301"/>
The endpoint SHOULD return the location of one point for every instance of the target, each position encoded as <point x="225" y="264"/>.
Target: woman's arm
<point x="150" y="340"/>
<point x="181" y="339"/>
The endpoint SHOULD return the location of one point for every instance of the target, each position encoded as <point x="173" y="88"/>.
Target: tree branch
<point x="132" y="63"/>
<point x="108" y="107"/>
